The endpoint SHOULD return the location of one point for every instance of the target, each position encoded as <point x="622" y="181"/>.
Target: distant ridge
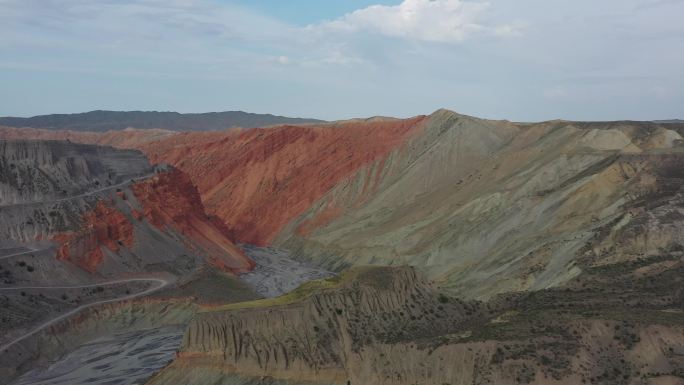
<point x="670" y="121"/>
<point x="100" y="121"/>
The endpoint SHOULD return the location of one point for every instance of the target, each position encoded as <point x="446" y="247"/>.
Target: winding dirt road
<point x="85" y="194"/>
<point x="161" y="284"/>
<point x="21" y="253"/>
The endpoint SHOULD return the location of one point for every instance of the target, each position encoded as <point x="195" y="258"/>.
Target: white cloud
<point x="282" y="60"/>
<point x="442" y="21"/>
<point x="576" y="59"/>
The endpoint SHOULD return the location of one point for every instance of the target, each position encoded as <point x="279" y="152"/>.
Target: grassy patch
<point x="300" y="293"/>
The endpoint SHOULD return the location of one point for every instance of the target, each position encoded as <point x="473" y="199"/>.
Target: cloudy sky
<point x="524" y="60"/>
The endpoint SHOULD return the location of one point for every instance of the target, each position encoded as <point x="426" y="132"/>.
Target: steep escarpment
<point x="103" y="226"/>
<point x="170" y="200"/>
<point x="258" y="180"/>
<point x="166" y="202"/>
<point x="310" y="333"/>
<point x="388" y="326"/>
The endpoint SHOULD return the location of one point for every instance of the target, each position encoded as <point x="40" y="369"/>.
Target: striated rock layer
<point x="311" y="333"/>
<point x="388" y="326"/>
<point x="104" y="226"/>
<point x="257" y="180"/>
<point x="169" y="199"/>
<point x="487" y="207"/>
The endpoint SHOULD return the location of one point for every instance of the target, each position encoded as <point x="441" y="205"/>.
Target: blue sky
<point x="524" y="60"/>
<point x="305" y="12"/>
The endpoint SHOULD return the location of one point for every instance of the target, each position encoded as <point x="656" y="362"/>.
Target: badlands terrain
<point x="440" y="249"/>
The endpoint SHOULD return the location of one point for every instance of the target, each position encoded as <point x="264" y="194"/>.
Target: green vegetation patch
<point x="303" y="291"/>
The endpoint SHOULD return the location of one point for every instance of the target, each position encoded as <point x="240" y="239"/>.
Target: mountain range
<point x="100" y="121"/>
<point x="439" y="249"/>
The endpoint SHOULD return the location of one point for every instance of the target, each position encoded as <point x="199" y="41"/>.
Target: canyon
<point x="439" y="249"/>
<point x="83" y="226"/>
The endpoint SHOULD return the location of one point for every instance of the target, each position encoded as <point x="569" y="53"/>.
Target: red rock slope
<point x="257" y="180"/>
<point x="102" y="226"/>
<point x="170" y="200"/>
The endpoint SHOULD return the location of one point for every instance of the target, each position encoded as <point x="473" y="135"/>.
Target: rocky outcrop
<point x="386" y="326"/>
<point x="104" y="226"/>
<point x="170" y="201"/>
<point x="108" y="211"/>
<point x="310" y="333"/>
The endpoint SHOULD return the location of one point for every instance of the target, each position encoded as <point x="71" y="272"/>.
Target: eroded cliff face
<point x="119" y="225"/>
<point x="103" y="226"/>
<point x="618" y="320"/>
<point x="311" y="333"/>
<point x="583" y="222"/>
<point x="388" y="326"/>
<point x="170" y="200"/>
<point x="107" y="212"/>
<point x="65" y="193"/>
<point x="257" y="180"/>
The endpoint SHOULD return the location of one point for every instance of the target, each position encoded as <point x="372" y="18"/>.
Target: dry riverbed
<point x="276" y="273"/>
<point x="127" y="358"/>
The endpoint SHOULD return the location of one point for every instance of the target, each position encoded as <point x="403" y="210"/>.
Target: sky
<point x="522" y="60"/>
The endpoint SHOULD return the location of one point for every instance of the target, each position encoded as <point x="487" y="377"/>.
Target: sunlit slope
<point x="486" y="206"/>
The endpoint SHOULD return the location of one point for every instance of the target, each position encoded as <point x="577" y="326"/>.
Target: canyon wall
<point x="487" y="207"/>
<point x="257" y="180"/>
<point x="482" y="206"/>
<point x="388" y="326"/>
<point x="107" y="211"/>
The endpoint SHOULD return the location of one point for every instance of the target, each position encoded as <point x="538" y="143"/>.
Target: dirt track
<point x="162" y="283"/>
